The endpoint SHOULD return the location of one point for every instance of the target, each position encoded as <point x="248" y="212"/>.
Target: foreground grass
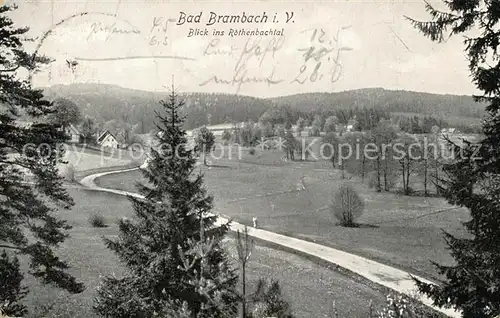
<point x="91" y="159"/>
<point x="309" y="287"/>
<point x="402" y="231"/>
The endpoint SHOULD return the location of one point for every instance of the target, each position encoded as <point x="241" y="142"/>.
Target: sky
<point x="379" y="47"/>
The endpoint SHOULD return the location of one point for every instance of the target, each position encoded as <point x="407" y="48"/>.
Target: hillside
<point x="393" y="101"/>
<point x="109" y="102"/>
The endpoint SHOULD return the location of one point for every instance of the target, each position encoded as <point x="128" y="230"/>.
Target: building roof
<point x="104" y="135"/>
<point x="73" y="129"/>
<point x="222" y="127"/>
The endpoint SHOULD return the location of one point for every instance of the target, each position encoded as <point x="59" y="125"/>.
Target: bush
<point x="97" y="220"/>
<point x="268" y="301"/>
<point x="136" y="139"/>
<point x="252" y="151"/>
<point x="347" y="206"/>
<point x="402" y="306"/>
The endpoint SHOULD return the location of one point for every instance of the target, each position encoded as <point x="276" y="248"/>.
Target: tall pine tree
<point x="473" y="181"/>
<point x="28" y="225"/>
<point x="159" y="246"/>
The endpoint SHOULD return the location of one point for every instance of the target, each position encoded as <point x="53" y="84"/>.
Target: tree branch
<point x="9" y="247"/>
<point x="11" y="69"/>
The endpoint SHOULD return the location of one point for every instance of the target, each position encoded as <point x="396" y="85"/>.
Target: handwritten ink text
<point x="109" y="30"/>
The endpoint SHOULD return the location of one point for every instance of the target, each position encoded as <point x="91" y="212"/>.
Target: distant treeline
<point x="127" y="107"/>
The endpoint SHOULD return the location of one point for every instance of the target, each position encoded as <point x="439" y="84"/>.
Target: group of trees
<point x="249" y="133"/>
<point x="279" y="120"/>
<point x="204" y="142"/>
<point x="384" y="154"/>
<point x="108" y="102"/>
<point x="66" y="112"/>
<point x="390" y="101"/>
<point x="420" y="125"/>
<point x="366" y="118"/>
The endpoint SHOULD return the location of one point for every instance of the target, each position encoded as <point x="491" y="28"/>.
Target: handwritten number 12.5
<point x="302" y="77"/>
<point x="321" y="37"/>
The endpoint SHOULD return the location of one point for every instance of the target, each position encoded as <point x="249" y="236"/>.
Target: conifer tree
<point x="205" y="141"/>
<point x="473" y="179"/>
<point x="163" y="248"/>
<point x="28" y="225"/>
<point x="11" y="290"/>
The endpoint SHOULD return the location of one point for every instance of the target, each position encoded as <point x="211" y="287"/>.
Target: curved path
<point x="384" y="275"/>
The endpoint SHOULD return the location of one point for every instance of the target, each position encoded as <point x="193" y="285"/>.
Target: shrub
<point x="226" y="136"/>
<point x="347" y="206"/>
<point x="268" y="301"/>
<point x="97" y="220"/>
<point x="402" y="306"/>
<point x="408" y="191"/>
<point x="136" y="139"/>
<point x="252" y="151"/>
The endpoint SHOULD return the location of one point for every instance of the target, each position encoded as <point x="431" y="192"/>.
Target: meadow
<point x="310" y="288"/>
<point x="402" y="231"/>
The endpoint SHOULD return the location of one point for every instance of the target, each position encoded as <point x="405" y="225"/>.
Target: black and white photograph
<point x="250" y="159"/>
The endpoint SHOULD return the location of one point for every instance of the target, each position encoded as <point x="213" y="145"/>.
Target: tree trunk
<point x="407" y="186"/>
<point x="385" y="176"/>
<point x="379" y="185"/>
<point x="425" y="177"/>
<point x="342" y="168"/>
<point x="243" y="292"/>
<point x="436" y="176"/>
<point x="403" y="174"/>
<point x="363" y="168"/>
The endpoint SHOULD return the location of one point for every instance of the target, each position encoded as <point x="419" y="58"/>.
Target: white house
<point x="449" y="130"/>
<point x="108" y="140"/>
<point x="219" y="129"/>
<point x="72" y="133"/>
<point x="350" y="125"/>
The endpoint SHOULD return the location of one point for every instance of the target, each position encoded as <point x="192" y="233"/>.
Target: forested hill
<point x="105" y="102"/>
<point x="392" y="101"/>
<point x="109" y="102"/>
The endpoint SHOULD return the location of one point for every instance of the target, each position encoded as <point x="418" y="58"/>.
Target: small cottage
<point x="107" y="140"/>
<point x="449" y="130"/>
<point x="351" y="125"/>
<point x="72" y="133"/>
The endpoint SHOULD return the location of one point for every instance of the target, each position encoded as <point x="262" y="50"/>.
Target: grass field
<point x="84" y="158"/>
<point x="398" y="230"/>
<point x="310" y="288"/>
